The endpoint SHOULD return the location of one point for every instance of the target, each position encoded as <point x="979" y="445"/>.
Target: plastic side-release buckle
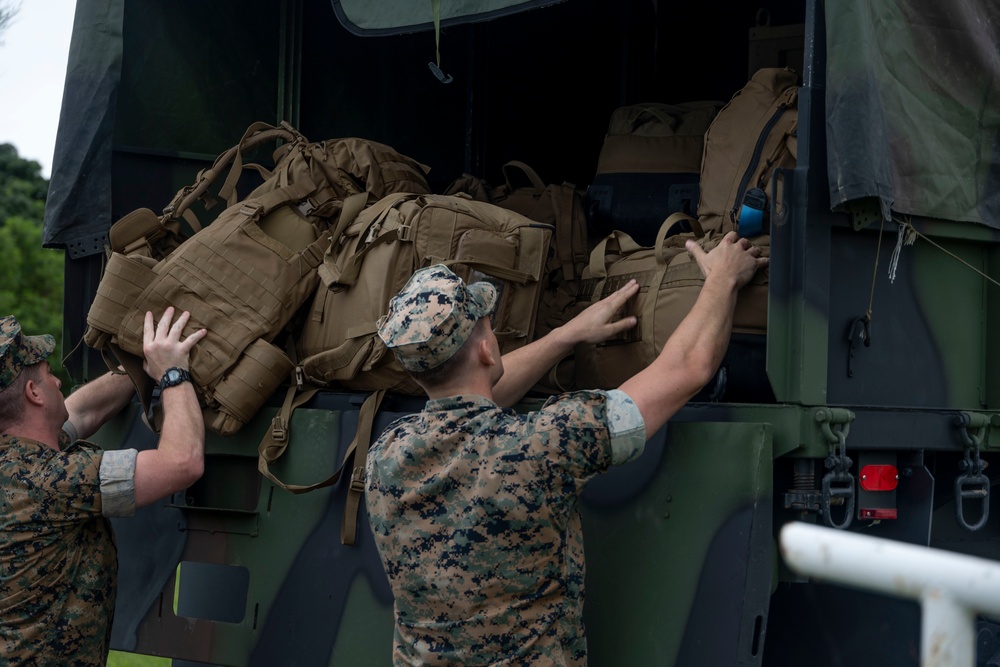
<point x="306" y="206"/>
<point x="250" y="209"/>
<point x="279" y="429"/>
<point x="358" y="479"/>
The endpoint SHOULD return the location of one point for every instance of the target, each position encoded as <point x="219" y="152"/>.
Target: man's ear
<point x="484" y="353"/>
<point x="31" y="392"/>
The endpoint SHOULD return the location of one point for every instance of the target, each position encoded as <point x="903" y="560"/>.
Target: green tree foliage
<point x="31" y="277"/>
<point x="22" y="188"/>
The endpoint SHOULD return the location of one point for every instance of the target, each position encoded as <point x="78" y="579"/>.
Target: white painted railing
<point x="951" y="588"/>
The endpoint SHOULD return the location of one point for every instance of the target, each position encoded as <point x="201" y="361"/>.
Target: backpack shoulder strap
<point x="356" y="490"/>
<point x="275" y="442"/>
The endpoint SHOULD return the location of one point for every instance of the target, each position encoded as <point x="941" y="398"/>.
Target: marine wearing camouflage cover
<point x="18" y="350"/>
<point x="474" y="512"/>
<point x="58" y="561"/>
<point x="432" y="317"/>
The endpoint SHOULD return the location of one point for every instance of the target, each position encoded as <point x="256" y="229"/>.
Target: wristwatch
<point x="173" y="377"/>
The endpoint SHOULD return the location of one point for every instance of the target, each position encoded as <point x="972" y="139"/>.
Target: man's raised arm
<point x="179" y="459"/>
<point x="525" y="366"/>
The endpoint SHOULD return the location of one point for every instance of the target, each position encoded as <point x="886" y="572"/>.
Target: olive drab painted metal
<point x="872" y="404"/>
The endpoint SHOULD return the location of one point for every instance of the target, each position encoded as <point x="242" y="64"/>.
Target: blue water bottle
<point x="752" y="213"/>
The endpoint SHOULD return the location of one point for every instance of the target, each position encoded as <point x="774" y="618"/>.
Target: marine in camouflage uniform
<point x="57" y="554"/>
<point x="473" y="506"/>
<point x="58" y="561"/>
<point x="474" y="509"/>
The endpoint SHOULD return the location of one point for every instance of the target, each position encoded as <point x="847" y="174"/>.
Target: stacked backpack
<point x="244" y="276"/>
<point x="648" y="167"/>
<point x="560" y="205"/>
<point x="746" y="147"/>
<point x="337" y="227"/>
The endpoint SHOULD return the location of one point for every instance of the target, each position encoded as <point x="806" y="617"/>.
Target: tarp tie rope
<point x="871" y="294"/>
<point x="894" y="262"/>
<point x="912" y="234"/>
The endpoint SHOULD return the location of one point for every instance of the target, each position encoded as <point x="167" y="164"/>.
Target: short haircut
<point x="12" y="398"/>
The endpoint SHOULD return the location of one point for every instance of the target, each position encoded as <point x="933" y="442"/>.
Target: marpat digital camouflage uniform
<point x="58" y="561"/>
<point x="475" y="514"/>
<point x="474" y="507"/>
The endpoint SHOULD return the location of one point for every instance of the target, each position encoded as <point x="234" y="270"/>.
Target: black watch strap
<point x="173" y="377"/>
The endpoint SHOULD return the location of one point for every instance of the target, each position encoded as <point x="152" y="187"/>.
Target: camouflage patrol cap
<point x="432" y="317"/>
<point x="18" y="350"/>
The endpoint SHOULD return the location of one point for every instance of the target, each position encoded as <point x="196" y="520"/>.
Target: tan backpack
<point x="648" y="167"/>
<point x="331" y="170"/>
<point x="376" y="255"/>
<point x="559" y="205"/>
<point x="751" y="137"/>
<point x="244" y="276"/>
<point x="670" y="282"/>
<point x="236" y="281"/>
<point x="562" y="206"/>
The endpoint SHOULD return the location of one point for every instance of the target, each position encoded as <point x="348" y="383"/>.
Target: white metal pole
<point x="948" y="636"/>
<point x="951" y="588"/>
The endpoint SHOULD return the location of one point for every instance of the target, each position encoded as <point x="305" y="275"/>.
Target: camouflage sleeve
<point x="594" y="429"/>
<point x="68" y="436"/>
<point x="118" y="482"/>
<point x="627" y="427"/>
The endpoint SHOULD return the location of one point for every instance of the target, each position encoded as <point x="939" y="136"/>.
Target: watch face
<point x="173" y="377"/>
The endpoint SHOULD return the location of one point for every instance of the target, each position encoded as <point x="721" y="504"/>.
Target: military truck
<point x="880" y="401"/>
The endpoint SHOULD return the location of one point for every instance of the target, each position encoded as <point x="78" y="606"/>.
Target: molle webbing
<point x="243" y="274"/>
<point x="237" y="282"/>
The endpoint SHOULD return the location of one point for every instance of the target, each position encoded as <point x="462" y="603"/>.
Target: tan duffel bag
<point x="670" y="282"/>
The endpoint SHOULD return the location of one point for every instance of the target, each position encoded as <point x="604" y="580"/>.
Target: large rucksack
<point x="562" y="206"/>
<point x="332" y="170"/>
<point x="338" y="345"/>
<point x="751" y="137"/>
<point x="244" y="276"/>
<point x="379" y="252"/>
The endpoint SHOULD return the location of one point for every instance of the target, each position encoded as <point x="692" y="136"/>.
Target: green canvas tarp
<point x="913" y="106"/>
<point x="78" y="208"/>
<point x="392" y="17"/>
